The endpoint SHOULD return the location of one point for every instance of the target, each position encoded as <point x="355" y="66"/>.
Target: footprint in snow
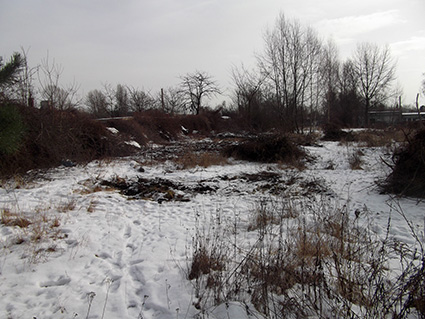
<point x="61" y="281"/>
<point x="127" y="233"/>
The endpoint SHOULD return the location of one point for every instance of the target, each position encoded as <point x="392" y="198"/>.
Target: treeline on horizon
<point x="299" y="81"/>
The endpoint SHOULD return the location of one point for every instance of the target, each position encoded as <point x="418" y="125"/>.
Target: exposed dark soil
<point x="158" y="189"/>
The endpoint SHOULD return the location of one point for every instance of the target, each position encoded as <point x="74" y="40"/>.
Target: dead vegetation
<point x="408" y="169"/>
<point x="37" y="232"/>
<point x="267" y="149"/>
<point x="363" y="137"/>
<point x="329" y="266"/>
<point x="51" y="138"/>
<point x="200" y="159"/>
<point x="355" y="160"/>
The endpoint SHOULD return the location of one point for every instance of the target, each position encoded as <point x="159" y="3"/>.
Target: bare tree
<point x="25" y="90"/>
<point x="248" y="93"/>
<point x="347" y="80"/>
<point x="174" y="100"/>
<point x="348" y="111"/>
<point x="122" y="101"/>
<point x="290" y="62"/>
<point x="375" y="70"/>
<point x="109" y="93"/>
<point x="97" y="103"/>
<point x="197" y="86"/>
<point x="140" y="100"/>
<point x="50" y="88"/>
<point x="330" y="72"/>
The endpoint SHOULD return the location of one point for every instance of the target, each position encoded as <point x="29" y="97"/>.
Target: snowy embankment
<point x="89" y="251"/>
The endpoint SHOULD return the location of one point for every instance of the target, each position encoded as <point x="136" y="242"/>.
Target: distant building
<point x="45" y="105"/>
<point x="388" y="117"/>
<point x="395" y="116"/>
<point x="413" y="116"/>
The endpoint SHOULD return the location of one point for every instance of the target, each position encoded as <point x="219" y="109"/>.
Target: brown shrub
<point x="204" y="159"/>
<point x="378" y="138"/>
<point x="130" y="129"/>
<point x="267" y="149"/>
<point x="10" y="219"/>
<point x="204" y="262"/>
<point x="52" y="136"/>
<point x="196" y="123"/>
<point x="157" y="125"/>
<point x="355" y="160"/>
<point x="333" y="132"/>
<point x="408" y="173"/>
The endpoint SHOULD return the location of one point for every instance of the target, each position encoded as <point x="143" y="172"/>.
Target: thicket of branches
<point x="300" y="81"/>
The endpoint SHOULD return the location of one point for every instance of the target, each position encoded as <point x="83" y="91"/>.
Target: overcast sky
<point x="148" y="44"/>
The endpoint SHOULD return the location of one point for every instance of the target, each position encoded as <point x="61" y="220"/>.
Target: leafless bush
<point x="192" y="159"/>
<point x="268" y="149"/>
<point x="157" y="125"/>
<point x="333" y="132"/>
<point x="328" y="265"/>
<point x="408" y="172"/>
<point x="355" y="160"/>
<point x="130" y="130"/>
<point x="378" y="138"/>
<point x="52" y="136"/>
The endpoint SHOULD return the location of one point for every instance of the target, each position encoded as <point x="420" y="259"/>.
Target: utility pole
<point x="162" y="100"/>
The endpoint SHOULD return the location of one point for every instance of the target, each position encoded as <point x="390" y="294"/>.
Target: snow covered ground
<point x="92" y="252"/>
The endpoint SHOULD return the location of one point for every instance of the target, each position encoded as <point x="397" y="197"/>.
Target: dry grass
<point x="37" y="230"/>
<point x="330" y="265"/>
<point x="355" y="160"/>
<point x="204" y="262"/>
<point x="262" y="217"/>
<point x="202" y="159"/>
<point x="12" y="219"/>
<point x="67" y="206"/>
<point x="379" y="138"/>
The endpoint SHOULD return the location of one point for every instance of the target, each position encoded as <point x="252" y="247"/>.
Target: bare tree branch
<point x="195" y="87"/>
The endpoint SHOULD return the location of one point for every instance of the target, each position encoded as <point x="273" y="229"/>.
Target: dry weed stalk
<point x="192" y="159"/>
<point x="328" y="265"/>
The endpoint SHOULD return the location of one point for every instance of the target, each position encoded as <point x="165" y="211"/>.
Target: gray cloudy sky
<point x="149" y="43"/>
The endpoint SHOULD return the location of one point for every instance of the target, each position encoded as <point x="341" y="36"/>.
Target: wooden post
<point x="419" y="111"/>
<point x="162" y="99"/>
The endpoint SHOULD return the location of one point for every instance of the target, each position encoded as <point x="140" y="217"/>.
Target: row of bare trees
<point x="17" y="84"/>
<point x="20" y="85"/>
<point x="298" y="78"/>
<point x="118" y="101"/>
<point x="122" y="100"/>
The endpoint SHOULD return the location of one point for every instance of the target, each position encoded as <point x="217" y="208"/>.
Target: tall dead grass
<point x="327" y="265"/>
